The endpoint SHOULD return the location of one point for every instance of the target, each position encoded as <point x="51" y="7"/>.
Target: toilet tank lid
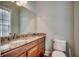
<point x="58" y="40"/>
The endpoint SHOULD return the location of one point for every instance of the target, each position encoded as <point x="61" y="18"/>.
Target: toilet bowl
<point x="58" y="54"/>
<point x="59" y="47"/>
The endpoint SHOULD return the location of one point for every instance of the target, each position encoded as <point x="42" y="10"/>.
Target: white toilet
<point x="59" y="47"/>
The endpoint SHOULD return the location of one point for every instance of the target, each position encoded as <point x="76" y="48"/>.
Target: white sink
<point x="4" y="47"/>
<point x="17" y="43"/>
<point x="12" y="45"/>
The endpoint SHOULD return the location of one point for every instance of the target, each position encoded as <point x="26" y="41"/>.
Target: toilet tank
<point x="59" y="45"/>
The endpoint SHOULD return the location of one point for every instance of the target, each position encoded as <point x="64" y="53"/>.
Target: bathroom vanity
<point x="30" y="46"/>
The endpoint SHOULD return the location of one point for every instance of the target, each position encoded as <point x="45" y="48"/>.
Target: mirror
<point x="16" y="19"/>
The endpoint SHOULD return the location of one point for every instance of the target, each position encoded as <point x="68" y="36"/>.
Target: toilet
<point x="59" y="47"/>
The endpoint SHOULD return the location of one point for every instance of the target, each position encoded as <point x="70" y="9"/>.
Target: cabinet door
<point x="41" y="48"/>
<point x="23" y="55"/>
<point x="41" y="52"/>
<point x="33" y="52"/>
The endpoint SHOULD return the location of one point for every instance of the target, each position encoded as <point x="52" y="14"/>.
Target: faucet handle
<point x="14" y="36"/>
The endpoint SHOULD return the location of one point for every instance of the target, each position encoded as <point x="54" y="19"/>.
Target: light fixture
<point x="21" y="3"/>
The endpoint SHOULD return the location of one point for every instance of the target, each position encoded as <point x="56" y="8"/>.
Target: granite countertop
<point x="17" y="43"/>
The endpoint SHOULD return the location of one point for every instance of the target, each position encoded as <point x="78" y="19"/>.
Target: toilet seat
<point x="58" y="54"/>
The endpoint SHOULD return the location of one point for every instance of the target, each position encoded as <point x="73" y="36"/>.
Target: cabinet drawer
<point x="32" y="44"/>
<point x="41" y="39"/>
<point x="42" y="45"/>
<point x="33" y="52"/>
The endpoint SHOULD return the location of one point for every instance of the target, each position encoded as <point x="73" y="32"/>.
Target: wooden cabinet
<point x="32" y="49"/>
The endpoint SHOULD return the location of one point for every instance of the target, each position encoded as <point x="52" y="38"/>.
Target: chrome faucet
<point x="12" y="35"/>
